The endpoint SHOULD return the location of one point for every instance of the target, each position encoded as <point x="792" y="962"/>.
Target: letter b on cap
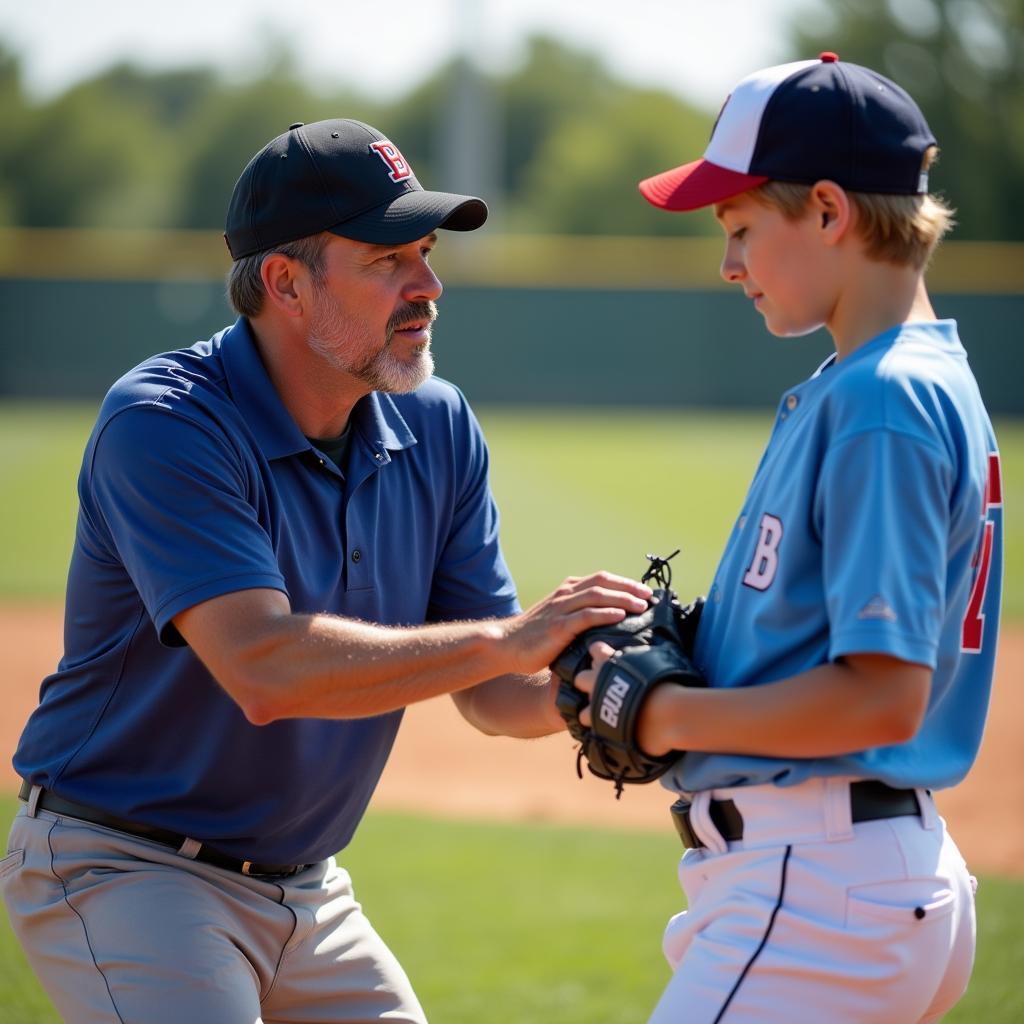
<point x="398" y="168"/>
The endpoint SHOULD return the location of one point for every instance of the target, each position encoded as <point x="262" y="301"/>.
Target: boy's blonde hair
<point x="895" y="229"/>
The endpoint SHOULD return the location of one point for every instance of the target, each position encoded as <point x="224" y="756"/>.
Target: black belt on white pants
<point x="870" y="800"/>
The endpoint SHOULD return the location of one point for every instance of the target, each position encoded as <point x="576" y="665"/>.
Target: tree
<point x="963" y="61"/>
<point x="583" y="179"/>
<point x="573" y="141"/>
<point x="231" y="123"/>
<point x="89" y="156"/>
<point x="107" y="151"/>
<point x="16" y="115"/>
<point x="133" y="147"/>
<point x="554" y="85"/>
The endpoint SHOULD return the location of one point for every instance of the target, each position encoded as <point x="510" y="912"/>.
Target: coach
<point x="286" y="535"/>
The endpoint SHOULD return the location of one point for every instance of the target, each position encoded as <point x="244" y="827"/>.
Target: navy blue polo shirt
<point x="196" y="482"/>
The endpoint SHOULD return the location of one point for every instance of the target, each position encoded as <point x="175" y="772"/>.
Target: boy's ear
<point x="832" y="209"/>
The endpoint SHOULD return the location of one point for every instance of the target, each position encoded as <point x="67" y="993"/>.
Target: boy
<point x="849" y="635"/>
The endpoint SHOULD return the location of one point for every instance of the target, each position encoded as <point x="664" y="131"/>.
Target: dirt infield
<point x="442" y="766"/>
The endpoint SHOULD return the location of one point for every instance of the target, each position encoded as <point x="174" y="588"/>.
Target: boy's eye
<point x="738" y="233"/>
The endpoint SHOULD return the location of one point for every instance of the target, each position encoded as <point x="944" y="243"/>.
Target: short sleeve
<point x="176" y="503"/>
<point x="882" y="511"/>
<point x="471" y="579"/>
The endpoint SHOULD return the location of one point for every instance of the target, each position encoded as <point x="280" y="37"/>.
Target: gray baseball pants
<point x="120" y="929"/>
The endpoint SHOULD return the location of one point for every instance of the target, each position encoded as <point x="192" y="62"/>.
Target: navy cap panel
<point x="315" y="176"/>
<point x="806" y="130"/>
<point x="803" y="122"/>
<point x="885" y="113"/>
<point x="327" y="189"/>
<point x="278" y="176"/>
<point x="844" y="123"/>
<point x="318" y="177"/>
<point x="240" y="233"/>
<point x="357" y="185"/>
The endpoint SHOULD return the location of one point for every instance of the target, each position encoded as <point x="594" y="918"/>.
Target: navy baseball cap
<point x="341" y="176"/>
<point x="804" y="122"/>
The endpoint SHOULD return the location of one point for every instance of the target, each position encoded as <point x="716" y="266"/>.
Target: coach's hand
<point x="535" y="637"/>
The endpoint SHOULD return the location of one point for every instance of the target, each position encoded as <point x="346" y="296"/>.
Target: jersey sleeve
<point x="172" y="501"/>
<point x="882" y="513"/>
<point x="471" y="579"/>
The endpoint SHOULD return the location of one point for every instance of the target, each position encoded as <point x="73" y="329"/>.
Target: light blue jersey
<point x="873" y="525"/>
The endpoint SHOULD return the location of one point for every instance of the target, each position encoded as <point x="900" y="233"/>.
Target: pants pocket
<point x="906" y="901"/>
<point x="919" y="950"/>
<point x="11" y="863"/>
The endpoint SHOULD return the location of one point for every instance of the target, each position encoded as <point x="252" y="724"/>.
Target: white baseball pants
<point x="811" y="919"/>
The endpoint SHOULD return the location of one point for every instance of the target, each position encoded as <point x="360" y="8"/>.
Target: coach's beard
<point x="386" y="371"/>
<point x="347" y="345"/>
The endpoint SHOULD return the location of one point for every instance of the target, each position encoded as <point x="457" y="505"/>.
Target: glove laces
<point x="659" y="570"/>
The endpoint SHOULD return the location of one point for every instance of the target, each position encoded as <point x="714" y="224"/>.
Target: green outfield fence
<point x="544" y="319"/>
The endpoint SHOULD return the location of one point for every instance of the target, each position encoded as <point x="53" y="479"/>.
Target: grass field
<point x="489" y="920"/>
<point x="544" y="925"/>
<point x="578" y="491"/>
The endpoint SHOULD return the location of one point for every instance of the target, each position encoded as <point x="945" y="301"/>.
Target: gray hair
<point x="245" y="286"/>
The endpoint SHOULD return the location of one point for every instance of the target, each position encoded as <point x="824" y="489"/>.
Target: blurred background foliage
<point x="963" y="61"/>
<point x="132" y="147"/>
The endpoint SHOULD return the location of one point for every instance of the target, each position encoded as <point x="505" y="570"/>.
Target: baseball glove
<point x="651" y="648"/>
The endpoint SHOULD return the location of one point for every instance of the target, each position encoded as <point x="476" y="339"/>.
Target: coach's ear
<point x="832" y="210"/>
<point x="280" y="275"/>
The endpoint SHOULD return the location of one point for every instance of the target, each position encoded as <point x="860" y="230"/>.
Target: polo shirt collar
<point x="257" y="399"/>
<point x="376" y="417"/>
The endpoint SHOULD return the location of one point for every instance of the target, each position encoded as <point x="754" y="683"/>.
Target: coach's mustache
<point x="414" y="312"/>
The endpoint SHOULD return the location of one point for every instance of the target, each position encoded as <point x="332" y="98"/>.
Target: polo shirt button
<point x="791" y="402"/>
<point x="379" y="457"/>
<point x="356" y="554"/>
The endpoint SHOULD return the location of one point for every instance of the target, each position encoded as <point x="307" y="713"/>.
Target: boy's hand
<point x="608" y="675"/>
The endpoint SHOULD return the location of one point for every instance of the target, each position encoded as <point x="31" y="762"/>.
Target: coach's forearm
<point x="277" y="664"/>
<point x="328" y="667"/>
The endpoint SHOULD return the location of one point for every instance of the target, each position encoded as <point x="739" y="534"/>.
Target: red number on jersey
<point x="974" y="620"/>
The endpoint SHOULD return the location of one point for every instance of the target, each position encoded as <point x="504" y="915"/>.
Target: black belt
<point x="869" y="801"/>
<point x="58" y="805"/>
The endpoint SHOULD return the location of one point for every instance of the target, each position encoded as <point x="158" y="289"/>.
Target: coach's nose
<point x="423" y="286"/>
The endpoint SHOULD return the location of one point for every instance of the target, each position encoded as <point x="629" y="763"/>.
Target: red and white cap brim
<point x="695" y="185"/>
<point x="724" y="170"/>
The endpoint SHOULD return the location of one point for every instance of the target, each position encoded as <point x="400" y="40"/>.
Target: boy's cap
<point x="341" y="176"/>
<point x="804" y="122"/>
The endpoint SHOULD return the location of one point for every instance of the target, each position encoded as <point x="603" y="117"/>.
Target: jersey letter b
<point x="766" y="556"/>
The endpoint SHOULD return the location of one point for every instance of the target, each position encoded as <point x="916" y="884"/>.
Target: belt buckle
<point x="680" y="812"/>
<point x="249" y="869"/>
